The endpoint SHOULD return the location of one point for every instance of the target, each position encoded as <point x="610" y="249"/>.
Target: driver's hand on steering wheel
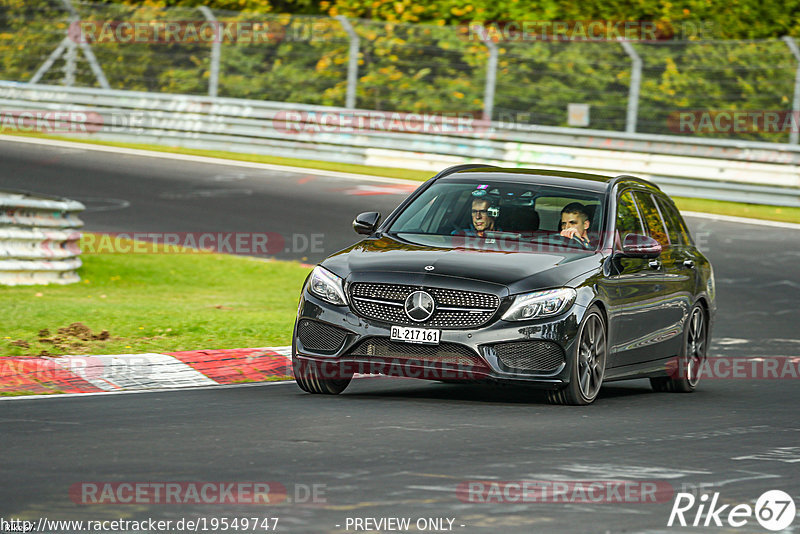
<point x="572" y="233"/>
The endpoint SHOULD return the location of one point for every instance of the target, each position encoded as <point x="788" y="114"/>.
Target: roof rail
<point x="461" y="167"/>
<point x="622" y="177"/>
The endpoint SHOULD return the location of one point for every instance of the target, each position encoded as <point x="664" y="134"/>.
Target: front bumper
<point x="478" y="345"/>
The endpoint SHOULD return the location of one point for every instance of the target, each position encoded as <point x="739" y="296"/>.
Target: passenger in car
<point x="575" y="223"/>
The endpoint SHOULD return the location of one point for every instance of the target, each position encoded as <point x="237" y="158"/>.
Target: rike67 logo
<point x="774" y="510"/>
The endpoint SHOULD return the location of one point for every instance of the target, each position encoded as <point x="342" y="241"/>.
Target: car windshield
<point x="508" y="211"/>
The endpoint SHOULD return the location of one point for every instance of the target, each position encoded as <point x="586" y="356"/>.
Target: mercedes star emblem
<point x="419" y="306"/>
<point x="429" y="267"/>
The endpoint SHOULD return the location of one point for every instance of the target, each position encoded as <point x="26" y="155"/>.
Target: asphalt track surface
<point x="398" y="447"/>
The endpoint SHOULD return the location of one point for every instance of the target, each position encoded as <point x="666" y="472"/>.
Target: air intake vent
<point x="320" y="337"/>
<point x="451" y="353"/>
<point x="541" y="356"/>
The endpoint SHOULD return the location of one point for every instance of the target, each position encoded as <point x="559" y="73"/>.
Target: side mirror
<point x="640" y="246"/>
<point x="366" y="223"/>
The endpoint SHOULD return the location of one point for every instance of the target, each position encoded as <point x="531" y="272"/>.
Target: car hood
<point x="503" y="263"/>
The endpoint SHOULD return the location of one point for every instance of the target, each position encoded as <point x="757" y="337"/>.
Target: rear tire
<point x="309" y="378"/>
<point x="588" y="363"/>
<point x="693" y="356"/>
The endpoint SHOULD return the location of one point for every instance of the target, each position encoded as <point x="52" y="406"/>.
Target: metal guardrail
<point x="631" y="76"/>
<point x="757" y="172"/>
<point x="39" y="241"/>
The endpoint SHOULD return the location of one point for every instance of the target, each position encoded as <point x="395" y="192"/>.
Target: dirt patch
<point x="74" y="339"/>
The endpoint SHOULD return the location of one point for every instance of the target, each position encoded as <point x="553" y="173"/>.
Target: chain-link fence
<point x="641" y="86"/>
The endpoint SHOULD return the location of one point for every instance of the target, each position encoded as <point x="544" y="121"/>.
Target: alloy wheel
<point x="695" y="346"/>
<point x="592" y="357"/>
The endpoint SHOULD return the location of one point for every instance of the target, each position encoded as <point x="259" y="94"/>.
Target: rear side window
<point x="628" y="221"/>
<point x="678" y="233"/>
<point x="652" y="218"/>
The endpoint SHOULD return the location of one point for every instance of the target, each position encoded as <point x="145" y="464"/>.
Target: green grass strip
<point x="155" y="303"/>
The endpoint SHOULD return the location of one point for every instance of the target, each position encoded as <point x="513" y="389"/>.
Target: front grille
<point x="451" y="353"/>
<point x="454" y="308"/>
<point x="320" y="337"/>
<point x="530" y="355"/>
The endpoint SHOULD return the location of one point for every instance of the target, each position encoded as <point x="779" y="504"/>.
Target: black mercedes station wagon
<point x="553" y="279"/>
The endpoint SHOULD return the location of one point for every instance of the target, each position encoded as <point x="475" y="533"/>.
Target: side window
<point x="628" y="221"/>
<point x="652" y="218"/>
<point x="678" y="233"/>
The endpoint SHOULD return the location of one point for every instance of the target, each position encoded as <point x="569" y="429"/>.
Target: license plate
<point x="428" y="336"/>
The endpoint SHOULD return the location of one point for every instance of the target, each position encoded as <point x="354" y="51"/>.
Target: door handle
<point x="654" y="264"/>
<point x="689" y="264"/>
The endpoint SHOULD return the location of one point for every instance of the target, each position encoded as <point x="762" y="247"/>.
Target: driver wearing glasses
<point x="483" y="214"/>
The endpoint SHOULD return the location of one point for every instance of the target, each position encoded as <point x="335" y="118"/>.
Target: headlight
<point x="327" y="286"/>
<point x="540" y="304"/>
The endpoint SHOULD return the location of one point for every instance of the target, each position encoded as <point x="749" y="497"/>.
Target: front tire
<point x="685" y="377"/>
<point x="588" y="363"/>
<point x="310" y="377"/>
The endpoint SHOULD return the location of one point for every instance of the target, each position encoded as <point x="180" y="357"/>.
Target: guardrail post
<point x="794" y="135"/>
<point x="491" y="77"/>
<point x="69" y="44"/>
<point x="69" y="63"/>
<point x="97" y="70"/>
<point x="41" y="71"/>
<point x="633" y="91"/>
<point x="216" y="51"/>
<point x="352" y="62"/>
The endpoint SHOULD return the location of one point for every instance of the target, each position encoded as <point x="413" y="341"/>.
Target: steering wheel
<point x="560" y="240"/>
